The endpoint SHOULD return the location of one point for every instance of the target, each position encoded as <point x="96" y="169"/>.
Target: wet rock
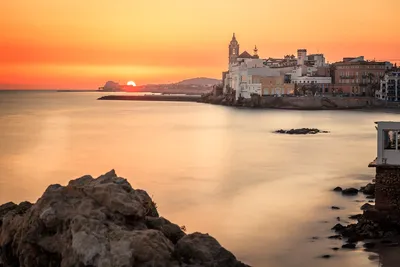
<point x="300" y="131"/>
<point x="367" y="206"/>
<point x="327" y="256"/>
<point x="100" y="222"/>
<point x="338" y="219"/>
<point x="369" y="189"/>
<point x="335" y="237"/>
<point x="350" y="191"/>
<point x="354" y="238"/>
<point x="335" y="208"/>
<point x="369" y="245"/>
<point x="335" y="249"/>
<point x="349" y="246"/>
<point x="355" y="217"/>
<point x="338" y="189"/>
<point x="371" y="201"/>
<point x="386" y="241"/>
<point x="338" y="227"/>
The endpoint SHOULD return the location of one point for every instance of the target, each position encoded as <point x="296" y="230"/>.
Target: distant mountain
<point x="200" y="81"/>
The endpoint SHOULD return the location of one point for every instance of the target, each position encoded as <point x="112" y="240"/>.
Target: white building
<point x="242" y="68"/>
<point x="389" y="87"/>
<point x="388" y="143"/>
<point x="301" y="56"/>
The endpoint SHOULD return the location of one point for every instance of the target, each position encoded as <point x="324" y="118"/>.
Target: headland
<point x="101" y="222"/>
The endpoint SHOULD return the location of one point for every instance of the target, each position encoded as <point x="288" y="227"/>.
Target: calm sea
<point x="214" y="169"/>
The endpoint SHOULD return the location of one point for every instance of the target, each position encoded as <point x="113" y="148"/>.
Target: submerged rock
<point x="350" y="191"/>
<point x="100" y="222"/>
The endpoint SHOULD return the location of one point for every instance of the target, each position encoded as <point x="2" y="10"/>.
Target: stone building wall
<point x="387" y="190"/>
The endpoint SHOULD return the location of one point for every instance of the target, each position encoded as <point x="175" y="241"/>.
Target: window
<point x="390" y="140"/>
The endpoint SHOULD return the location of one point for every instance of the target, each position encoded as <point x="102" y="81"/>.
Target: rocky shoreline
<point x="375" y="229"/>
<point x="101" y="222"/>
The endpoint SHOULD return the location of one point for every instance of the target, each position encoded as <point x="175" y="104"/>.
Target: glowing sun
<point x="131" y="83"/>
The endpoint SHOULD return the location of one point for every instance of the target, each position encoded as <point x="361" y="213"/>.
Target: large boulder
<point x="98" y="222"/>
<point x="203" y="250"/>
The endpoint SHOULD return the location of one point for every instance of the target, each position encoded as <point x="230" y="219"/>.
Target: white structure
<point x="240" y="76"/>
<point x="243" y="67"/>
<point x="389" y="87"/>
<point x="298" y="77"/>
<point x="388" y="143"/>
<point x="301" y="56"/>
<point x="316" y="60"/>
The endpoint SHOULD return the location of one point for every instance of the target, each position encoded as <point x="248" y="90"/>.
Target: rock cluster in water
<point x="100" y="222"/>
<point x="300" y="131"/>
<point x="382" y="227"/>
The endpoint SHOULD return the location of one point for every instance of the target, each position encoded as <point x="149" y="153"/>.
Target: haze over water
<point x="214" y="169"/>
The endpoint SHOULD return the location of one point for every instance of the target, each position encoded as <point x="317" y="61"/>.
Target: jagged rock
<point x="350" y="191"/>
<point x="204" y="250"/>
<point x="172" y="231"/>
<point x="99" y="222"/>
<point x="338" y="189"/>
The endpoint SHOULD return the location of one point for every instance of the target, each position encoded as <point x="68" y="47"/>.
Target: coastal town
<point x="306" y="74"/>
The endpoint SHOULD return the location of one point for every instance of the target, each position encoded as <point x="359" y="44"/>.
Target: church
<point x="249" y="74"/>
<point x="234" y="51"/>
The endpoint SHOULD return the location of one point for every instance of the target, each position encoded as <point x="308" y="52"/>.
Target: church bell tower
<point x="233" y="50"/>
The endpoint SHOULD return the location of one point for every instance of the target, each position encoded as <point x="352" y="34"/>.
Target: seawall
<point x="299" y="103"/>
<point x="176" y="98"/>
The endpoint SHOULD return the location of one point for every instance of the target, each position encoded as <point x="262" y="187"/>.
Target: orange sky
<point x="77" y="44"/>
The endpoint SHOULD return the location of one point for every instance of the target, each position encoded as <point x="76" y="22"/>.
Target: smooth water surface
<point x="214" y="169"/>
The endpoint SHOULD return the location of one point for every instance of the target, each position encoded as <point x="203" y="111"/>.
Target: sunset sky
<point x="80" y="44"/>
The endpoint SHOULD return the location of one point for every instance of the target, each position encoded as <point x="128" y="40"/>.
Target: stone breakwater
<point x="296" y="103"/>
<point x="101" y="222"/>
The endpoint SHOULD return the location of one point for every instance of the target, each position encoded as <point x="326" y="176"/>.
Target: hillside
<point x="200" y="81"/>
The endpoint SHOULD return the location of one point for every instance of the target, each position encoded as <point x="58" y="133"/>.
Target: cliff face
<point x="100" y="222"/>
